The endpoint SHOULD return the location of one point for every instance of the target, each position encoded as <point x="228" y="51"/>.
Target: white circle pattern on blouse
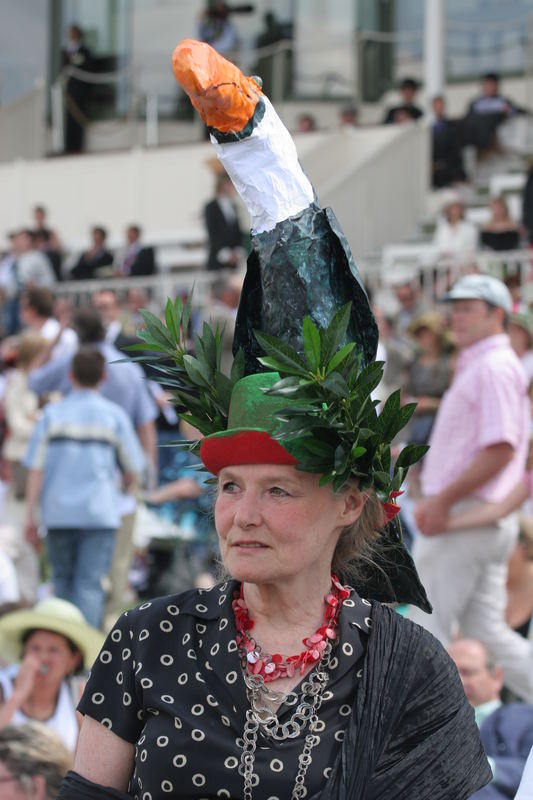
<point x="200" y="709"/>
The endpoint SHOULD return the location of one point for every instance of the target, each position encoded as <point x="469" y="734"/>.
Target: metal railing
<point x="435" y="277"/>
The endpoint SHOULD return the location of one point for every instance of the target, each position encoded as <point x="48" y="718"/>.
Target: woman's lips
<point x="250" y="545"/>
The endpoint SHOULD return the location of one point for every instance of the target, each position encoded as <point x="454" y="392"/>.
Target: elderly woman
<point x="455" y="238"/>
<point x="53" y="642"/>
<point x="282" y="681"/>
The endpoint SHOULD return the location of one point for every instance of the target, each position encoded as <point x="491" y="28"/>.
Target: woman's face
<point x="454" y="212"/>
<point x="426" y="339"/>
<point x="10" y="788"/>
<point x="499" y="210"/>
<point x="56" y="657"/>
<point x="275" y="522"/>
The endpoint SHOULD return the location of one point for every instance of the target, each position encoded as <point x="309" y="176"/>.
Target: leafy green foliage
<point x="339" y="432"/>
<point x="195" y="382"/>
<point x="334" y="426"/>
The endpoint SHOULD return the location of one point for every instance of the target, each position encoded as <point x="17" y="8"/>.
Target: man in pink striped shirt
<point x="477" y="454"/>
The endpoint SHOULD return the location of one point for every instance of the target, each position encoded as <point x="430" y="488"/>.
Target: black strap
<point x="74" y="787"/>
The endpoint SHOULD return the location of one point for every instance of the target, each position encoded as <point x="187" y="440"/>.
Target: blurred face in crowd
<point x="489" y="87"/>
<point x="498" y="208"/>
<point x="107" y="306"/>
<point x="225" y="187"/>
<point x="408" y="94"/>
<point x="437" y="105"/>
<point x="74" y="34"/>
<point x="132" y="235"/>
<point x="474" y="320"/>
<point x="12" y="789"/>
<point x="349" y="117"/>
<point x="98" y="237"/>
<point x="406" y="295"/>
<point x="24" y="242"/>
<point x="455" y="212"/>
<point x="54" y="654"/>
<point x="39" y="216"/>
<point x="136" y="299"/>
<point x="482" y="683"/>
<point x="427" y="340"/>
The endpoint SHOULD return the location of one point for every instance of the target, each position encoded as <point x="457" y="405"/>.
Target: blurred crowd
<point x="98" y="514"/>
<point x="99" y="506"/>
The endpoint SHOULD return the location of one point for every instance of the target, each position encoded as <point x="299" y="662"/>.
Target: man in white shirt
<point x="32" y="267"/>
<point x="36" y="313"/>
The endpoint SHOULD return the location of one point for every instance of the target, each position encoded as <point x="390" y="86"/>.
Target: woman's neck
<point x="41" y="703"/>
<point x="430" y="354"/>
<point x="297" y="604"/>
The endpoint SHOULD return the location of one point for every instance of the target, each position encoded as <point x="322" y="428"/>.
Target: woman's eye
<point x="229" y="486"/>
<point x="277" y="491"/>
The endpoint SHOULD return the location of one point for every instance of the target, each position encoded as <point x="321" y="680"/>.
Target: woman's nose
<point x="248" y="511"/>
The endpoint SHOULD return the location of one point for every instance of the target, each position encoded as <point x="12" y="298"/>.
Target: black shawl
<point x="412" y="735"/>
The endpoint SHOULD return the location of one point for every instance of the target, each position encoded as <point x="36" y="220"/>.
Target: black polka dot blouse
<point x="168" y="679"/>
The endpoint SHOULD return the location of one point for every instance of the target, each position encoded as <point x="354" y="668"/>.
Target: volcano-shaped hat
<point x="300" y="387"/>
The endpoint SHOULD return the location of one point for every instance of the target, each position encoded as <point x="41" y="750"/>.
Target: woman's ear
<point x="354" y="502"/>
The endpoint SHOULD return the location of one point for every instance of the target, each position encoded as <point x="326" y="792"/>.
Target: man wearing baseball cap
<point x="477" y="454"/>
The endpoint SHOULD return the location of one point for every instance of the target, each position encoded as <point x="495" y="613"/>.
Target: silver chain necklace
<point x="260" y="717"/>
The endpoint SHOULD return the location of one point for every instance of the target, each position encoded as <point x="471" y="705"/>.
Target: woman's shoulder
<point x="204" y="603"/>
<point x="406" y="639"/>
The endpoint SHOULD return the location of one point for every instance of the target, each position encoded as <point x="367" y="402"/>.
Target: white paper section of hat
<point x="266" y="172"/>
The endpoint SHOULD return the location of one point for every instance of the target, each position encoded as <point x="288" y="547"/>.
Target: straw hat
<point x="431" y="320"/>
<point x="57" y="616"/>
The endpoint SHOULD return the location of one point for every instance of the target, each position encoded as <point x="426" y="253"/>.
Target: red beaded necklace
<point x="275" y="666"/>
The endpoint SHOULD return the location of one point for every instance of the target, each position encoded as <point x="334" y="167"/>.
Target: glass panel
<point x="158" y="25"/>
<point x="22" y="67"/>
<point x="324" y="48"/>
<point x="105" y="25"/>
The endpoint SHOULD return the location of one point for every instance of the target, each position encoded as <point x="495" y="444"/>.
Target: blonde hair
<point x="32" y="750"/>
<point x="356" y="542"/>
<point x="29" y="346"/>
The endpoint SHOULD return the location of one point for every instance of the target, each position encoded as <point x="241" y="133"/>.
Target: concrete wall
<point x="22" y="126"/>
<point x="375" y="179"/>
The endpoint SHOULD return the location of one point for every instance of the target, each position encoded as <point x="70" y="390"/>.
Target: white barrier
<point x="377" y="274"/>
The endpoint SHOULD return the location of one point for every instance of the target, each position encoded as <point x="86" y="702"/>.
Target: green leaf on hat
<point x="332" y="336"/>
<point x="311" y="339"/>
<point x="411" y="454"/>
<point x="340" y="356"/>
<point x="284" y="355"/>
<point x="157" y="330"/>
<point x="237" y="368"/>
